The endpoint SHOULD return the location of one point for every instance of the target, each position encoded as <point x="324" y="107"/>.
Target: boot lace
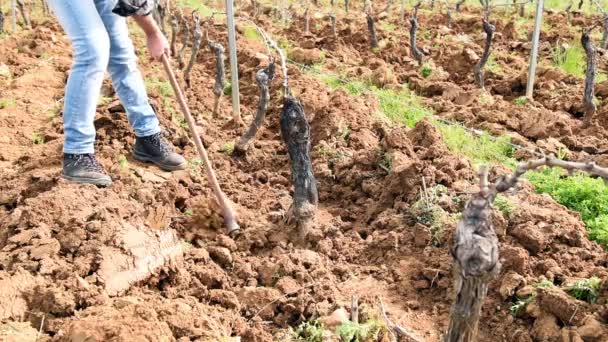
<point x="86" y="161"/>
<point x="159" y="142"/>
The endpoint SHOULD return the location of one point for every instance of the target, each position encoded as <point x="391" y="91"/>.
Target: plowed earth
<point x="146" y="259"/>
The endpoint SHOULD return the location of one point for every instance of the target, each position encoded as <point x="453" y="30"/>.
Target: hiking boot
<point x="84" y="168"/>
<point x="155" y="149"/>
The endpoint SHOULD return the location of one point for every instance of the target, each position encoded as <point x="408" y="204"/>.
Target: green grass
<point x="520" y="101"/>
<point x="585" y="289"/>
<point x="493" y="66"/>
<point x="199" y="6"/>
<point x="251" y="33"/>
<point x="504" y="205"/>
<point x="159" y="87"/>
<point x="579" y="192"/>
<point x="37" y="138"/>
<point x="227" y="148"/>
<point x="7" y="102"/>
<point x="426" y="70"/>
<point x="481" y="148"/>
<point x="309" y="332"/>
<point x="359" y="332"/>
<point x="573" y="61"/>
<point x="122" y="161"/>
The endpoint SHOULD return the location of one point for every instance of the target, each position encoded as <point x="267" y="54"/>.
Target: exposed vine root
<point x="416" y="53"/>
<point x="186" y="39"/>
<point x="263" y="78"/>
<point x="589" y="91"/>
<point x="24" y="15"/>
<point x="371" y="27"/>
<point x="296" y="135"/>
<point x="479" y="67"/>
<point x="197" y="37"/>
<point x="220" y="74"/>
<point x="174" y="32"/>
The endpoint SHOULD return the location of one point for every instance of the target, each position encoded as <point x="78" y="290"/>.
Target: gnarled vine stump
<point x="197" y="37"/>
<point x="371" y="27"/>
<point x="220" y="74"/>
<point x="296" y="135"/>
<point x="416" y="53"/>
<point x="605" y="32"/>
<point x="590" y="72"/>
<point x="479" y="67"/>
<point x="263" y="77"/>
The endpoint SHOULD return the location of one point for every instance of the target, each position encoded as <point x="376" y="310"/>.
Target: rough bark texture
<point x="186" y="39"/>
<point x="296" y="135"/>
<point x="174" y="31"/>
<point x="479" y="72"/>
<point x="371" y="27"/>
<point x="197" y="37"/>
<point x="605" y="33"/>
<point x="24" y="15"/>
<point x="416" y="53"/>
<point x="476" y="263"/>
<point x="263" y="77"/>
<point x="589" y="91"/>
<point x="459" y="4"/>
<point x="220" y="74"/>
<point x="332" y="20"/>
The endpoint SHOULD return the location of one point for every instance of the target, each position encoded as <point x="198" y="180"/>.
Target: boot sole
<point x="85" y="180"/>
<point x="165" y="167"/>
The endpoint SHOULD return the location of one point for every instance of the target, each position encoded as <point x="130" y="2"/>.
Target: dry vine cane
<point x="186" y="39"/>
<point x="197" y="37"/>
<point x="475" y="249"/>
<point x="604" y="42"/>
<point x="416" y="53"/>
<point x="174" y="32"/>
<point x="332" y="20"/>
<point x="263" y="78"/>
<point x="371" y="27"/>
<point x="220" y="74"/>
<point x="24" y="15"/>
<point x="479" y="67"/>
<point x="590" y="72"/>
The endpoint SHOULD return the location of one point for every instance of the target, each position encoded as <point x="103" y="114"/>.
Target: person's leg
<point x="91" y="51"/>
<point x="126" y="78"/>
<point x="130" y="87"/>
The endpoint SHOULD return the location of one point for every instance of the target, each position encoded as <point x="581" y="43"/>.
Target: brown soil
<point x="146" y="259"/>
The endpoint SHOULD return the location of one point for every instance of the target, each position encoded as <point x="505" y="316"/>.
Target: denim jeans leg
<point x="126" y="77"/>
<point x="91" y="49"/>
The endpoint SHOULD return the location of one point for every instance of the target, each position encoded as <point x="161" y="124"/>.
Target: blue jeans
<point x="100" y="41"/>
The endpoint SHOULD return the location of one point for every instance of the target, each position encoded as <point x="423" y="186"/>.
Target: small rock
<point x="510" y="282"/>
<point x="226" y="241"/>
<point x="422" y="235"/>
<point x="221" y="255"/>
<point x="592" y="329"/>
<point x="225" y="298"/>
<point x="287" y="285"/>
<point x="336" y="318"/>
<point x="421" y="284"/>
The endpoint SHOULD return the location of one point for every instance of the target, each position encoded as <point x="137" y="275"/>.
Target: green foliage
<point x="481" y="148"/>
<point x="520" y="101"/>
<point x="587" y="195"/>
<point x="504" y="205"/>
<point x="387" y="26"/>
<point x="426" y="211"/>
<point x="251" y="33"/>
<point x="194" y="166"/>
<point x="199" y="6"/>
<point x="228" y="89"/>
<point x="122" y="161"/>
<point x="103" y="100"/>
<point x="7" y="102"/>
<point x="401" y="106"/>
<point x="544" y="284"/>
<point x="188" y="212"/>
<point x="309" y="332"/>
<point x="37" y="139"/>
<point x="520" y="305"/>
<point x="585" y="289"/>
<point x="159" y="87"/>
<point x="426" y="70"/>
<point x="572" y="60"/>
<point x="181" y="121"/>
<point x="493" y="66"/>
<point x="227" y="148"/>
<point x="355" y="332"/>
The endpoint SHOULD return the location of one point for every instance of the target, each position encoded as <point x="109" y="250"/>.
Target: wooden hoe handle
<point x="227" y="211"/>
